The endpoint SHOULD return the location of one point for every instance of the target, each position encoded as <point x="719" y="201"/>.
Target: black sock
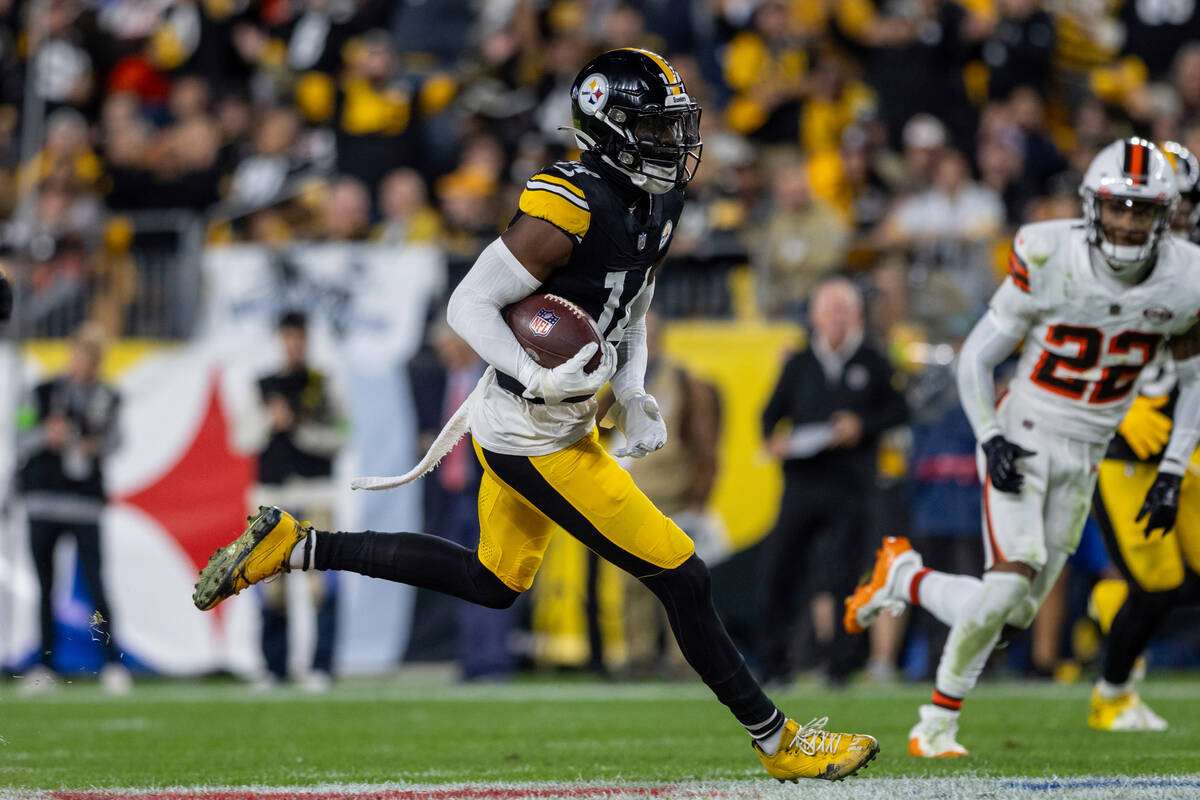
<point x="1132" y="629"/>
<point x="417" y="559"/>
<point x="686" y="595"/>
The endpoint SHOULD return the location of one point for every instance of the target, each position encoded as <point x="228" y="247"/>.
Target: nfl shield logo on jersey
<point x="1158" y="314"/>
<point x="641" y="241"/>
<point x="543" y="322"/>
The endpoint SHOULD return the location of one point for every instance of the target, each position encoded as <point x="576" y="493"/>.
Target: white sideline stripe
<point x="426" y="689"/>
<point x="1083" y="787"/>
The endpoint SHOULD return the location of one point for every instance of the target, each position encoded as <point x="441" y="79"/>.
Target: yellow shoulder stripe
<point x="563" y="182"/>
<point x="556" y="210"/>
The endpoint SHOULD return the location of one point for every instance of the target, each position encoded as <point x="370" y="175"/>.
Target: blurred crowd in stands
<point x="899" y="142"/>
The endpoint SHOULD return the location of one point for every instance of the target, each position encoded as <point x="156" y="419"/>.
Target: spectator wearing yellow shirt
<point x="836" y="98"/>
<point x="407" y="215"/>
<point x="66" y="149"/>
<point x="376" y="110"/>
<point x="765" y="67"/>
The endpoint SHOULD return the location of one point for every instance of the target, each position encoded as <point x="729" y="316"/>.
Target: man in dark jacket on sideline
<point x="838" y="396"/>
<point x="65" y="431"/>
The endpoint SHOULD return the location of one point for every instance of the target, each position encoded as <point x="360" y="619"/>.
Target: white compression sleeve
<point x="1185" y="433"/>
<point x="630" y="377"/>
<point x="496" y="280"/>
<point x="986" y="347"/>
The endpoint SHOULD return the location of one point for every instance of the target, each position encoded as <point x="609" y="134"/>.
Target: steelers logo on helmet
<point x="593" y="94"/>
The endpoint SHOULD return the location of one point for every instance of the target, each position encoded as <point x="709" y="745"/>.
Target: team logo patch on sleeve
<point x="543" y="322"/>
<point x="593" y="93"/>
<point x="666" y="234"/>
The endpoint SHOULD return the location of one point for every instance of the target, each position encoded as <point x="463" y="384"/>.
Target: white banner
<point x="179" y="485"/>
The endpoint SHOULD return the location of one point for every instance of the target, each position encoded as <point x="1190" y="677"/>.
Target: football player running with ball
<point x="1161" y="569"/>
<point x="1094" y="301"/>
<point x="592" y="232"/>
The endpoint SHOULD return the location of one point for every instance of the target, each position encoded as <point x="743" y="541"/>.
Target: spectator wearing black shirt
<point x="838" y="396"/>
<point x="67" y="428"/>
<point x="931" y="38"/>
<point x="1020" y="48"/>
<point x="300" y="436"/>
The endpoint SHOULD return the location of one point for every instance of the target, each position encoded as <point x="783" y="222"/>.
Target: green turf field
<point x="424" y="730"/>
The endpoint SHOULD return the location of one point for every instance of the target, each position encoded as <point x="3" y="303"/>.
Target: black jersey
<point x="616" y="242"/>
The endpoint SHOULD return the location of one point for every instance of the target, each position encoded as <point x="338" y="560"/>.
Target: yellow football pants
<point x="524" y="500"/>
<point x="1158" y="563"/>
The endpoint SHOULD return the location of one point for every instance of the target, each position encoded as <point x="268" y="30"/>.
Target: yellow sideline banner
<point x="54" y="355"/>
<point x="743" y="360"/>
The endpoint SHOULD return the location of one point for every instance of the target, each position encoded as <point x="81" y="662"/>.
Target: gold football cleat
<point x="1126" y="712"/>
<point x="810" y="751"/>
<point x="261" y="551"/>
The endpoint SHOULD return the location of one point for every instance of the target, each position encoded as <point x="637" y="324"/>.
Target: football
<point x="552" y="329"/>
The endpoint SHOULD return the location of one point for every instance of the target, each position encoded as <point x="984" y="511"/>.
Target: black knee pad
<point x="688" y="582"/>
<point x="491" y="591"/>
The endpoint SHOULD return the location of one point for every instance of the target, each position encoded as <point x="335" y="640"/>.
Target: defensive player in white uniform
<point x="1094" y="300"/>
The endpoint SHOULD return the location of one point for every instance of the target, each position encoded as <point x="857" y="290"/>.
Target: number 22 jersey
<point x="1087" y="335"/>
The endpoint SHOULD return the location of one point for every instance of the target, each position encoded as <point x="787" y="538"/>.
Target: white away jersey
<point x="1087" y="336"/>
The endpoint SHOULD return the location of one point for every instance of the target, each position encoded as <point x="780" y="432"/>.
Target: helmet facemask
<point x="1127" y="230"/>
<point x="657" y="150"/>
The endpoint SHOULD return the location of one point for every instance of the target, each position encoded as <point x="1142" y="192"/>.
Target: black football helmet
<point x="631" y="109"/>
<point x="1187" y="170"/>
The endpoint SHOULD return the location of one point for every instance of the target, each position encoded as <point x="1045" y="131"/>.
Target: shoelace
<point x="812" y="737"/>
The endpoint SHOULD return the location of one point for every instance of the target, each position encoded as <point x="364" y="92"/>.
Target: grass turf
<point x="419" y="729"/>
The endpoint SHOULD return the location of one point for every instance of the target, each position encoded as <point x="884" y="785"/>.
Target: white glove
<point x="568" y="379"/>
<point x="642" y="423"/>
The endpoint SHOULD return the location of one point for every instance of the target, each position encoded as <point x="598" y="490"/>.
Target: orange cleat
<point x="881" y="591"/>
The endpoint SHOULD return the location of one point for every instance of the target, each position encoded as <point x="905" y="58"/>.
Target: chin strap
<point x="640" y="180"/>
